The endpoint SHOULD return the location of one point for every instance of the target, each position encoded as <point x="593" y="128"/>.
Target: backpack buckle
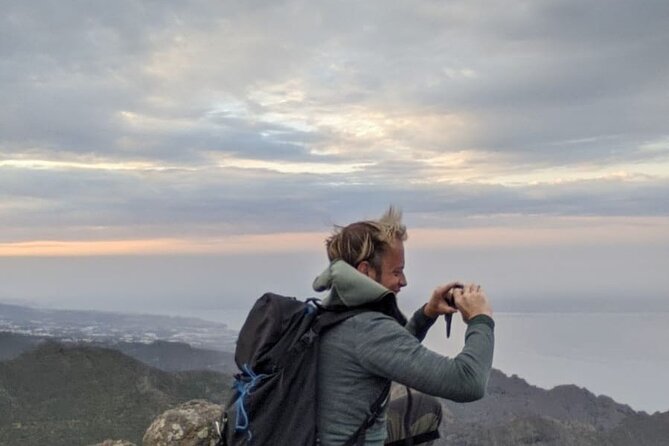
<point x="308" y="338"/>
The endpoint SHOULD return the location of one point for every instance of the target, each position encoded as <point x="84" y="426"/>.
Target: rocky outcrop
<point x="189" y="424"/>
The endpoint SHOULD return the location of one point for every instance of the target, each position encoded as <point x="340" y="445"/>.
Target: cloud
<point x="90" y="204"/>
<point x="165" y="117"/>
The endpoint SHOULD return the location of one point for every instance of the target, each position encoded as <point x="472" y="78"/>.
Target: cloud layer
<point x="163" y="119"/>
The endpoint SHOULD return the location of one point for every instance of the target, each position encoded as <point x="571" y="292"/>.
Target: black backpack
<point x="275" y="394"/>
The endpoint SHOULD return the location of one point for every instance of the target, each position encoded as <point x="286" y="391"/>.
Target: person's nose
<point x="403" y="281"/>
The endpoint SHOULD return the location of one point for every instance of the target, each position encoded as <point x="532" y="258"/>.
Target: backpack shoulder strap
<point x="328" y="318"/>
<point x="358" y="437"/>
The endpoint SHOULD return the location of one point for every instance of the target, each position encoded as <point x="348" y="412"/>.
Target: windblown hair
<point x="366" y="240"/>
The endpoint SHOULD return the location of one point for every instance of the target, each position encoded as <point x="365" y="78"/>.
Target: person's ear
<point x="364" y="267"/>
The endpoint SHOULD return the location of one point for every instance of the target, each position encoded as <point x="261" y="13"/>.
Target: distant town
<point x="104" y="327"/>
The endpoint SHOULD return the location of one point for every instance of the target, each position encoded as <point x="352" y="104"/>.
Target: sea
<point x="621" y="355"/>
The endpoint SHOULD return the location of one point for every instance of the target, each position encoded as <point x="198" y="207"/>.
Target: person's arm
<point x="420" y="323"/>
<point x="389" y="350"/>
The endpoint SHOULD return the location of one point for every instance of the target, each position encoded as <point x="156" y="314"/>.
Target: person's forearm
<point x="475" y="360"/>
<point x="401" y="359"/>
<point x="420" y="324"/>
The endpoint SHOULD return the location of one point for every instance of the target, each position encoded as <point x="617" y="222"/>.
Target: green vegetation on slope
<point x="60" y="395"/>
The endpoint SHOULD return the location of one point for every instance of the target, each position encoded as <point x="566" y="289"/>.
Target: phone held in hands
<point x="450" y="300"/>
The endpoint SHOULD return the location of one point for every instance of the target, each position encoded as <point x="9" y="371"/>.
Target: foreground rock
<point x="189" y="424"/>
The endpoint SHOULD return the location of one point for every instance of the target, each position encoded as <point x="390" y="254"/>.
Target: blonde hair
<point x="366" y="240"/>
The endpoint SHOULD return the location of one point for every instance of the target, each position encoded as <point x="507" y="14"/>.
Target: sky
<point x="168" y="155"/>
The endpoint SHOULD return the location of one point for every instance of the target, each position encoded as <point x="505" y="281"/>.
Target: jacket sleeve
<point x="387" y="349"/>
<point x="419" y="324"/>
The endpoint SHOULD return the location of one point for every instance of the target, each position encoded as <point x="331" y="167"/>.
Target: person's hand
<point x="438" y="303"/>
<point x="471" y="301"/>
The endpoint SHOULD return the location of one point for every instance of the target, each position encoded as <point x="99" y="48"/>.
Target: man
<point x="362" y="354"/>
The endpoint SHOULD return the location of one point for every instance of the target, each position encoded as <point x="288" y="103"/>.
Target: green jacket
<point x="360" y="355"/>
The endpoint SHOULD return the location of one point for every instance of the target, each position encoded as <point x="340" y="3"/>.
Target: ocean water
<point x="621" y="355"/>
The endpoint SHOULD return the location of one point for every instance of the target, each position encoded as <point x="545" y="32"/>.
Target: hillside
<point x="178" y="357"/>
<point x="13" y="344"/>
<point x="517" y="413"/>
<point x="60" y="395"/>
<point x="167" y="356"/>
